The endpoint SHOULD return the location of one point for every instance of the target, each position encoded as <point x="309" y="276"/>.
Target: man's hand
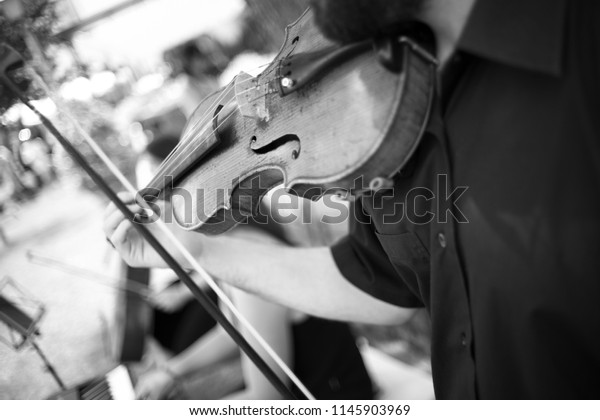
<point x="171" y="299"/>
<point x="154" y="385"/>
<point x="130" y="244"/>
<point x="306" y="279"/>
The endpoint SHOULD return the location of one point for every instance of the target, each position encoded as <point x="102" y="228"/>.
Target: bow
<point x="10" y="60"/>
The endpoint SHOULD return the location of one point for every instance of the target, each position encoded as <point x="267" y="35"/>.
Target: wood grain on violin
<point x="321" y="117"/>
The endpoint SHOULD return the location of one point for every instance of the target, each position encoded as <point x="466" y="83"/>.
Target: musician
<point x="504" y="250"/>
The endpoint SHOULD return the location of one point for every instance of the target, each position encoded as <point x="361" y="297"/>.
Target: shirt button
<point x="442" y="239"/>
<point x="334" y="384"/>
<point x="463" y="339"/>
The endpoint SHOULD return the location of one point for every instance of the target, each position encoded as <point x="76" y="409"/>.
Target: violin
<point x="321" y="118"/>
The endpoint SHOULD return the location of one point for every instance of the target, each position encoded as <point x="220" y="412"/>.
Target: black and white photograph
<point x="376" y="203"/>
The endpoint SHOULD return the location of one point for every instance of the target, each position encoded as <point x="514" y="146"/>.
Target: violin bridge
<point x="251" y="97"/>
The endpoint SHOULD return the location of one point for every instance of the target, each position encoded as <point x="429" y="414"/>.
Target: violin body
<point x="321" y="118"/>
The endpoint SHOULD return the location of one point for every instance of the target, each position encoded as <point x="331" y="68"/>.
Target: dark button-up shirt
<point x="495" y="225"/>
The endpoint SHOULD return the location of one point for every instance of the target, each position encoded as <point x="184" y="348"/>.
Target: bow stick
<point x="10" y="59"/>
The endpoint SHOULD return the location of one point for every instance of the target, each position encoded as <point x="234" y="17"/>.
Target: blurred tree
<point x="20" y="19"/>
<point x="96" y="119"/>
<point x="28" y="26"/>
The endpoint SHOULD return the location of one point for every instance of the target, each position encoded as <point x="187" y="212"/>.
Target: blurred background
<point x="129" y="72"/>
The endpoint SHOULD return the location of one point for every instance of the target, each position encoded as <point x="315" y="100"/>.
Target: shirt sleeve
<point x="363" y="262"/>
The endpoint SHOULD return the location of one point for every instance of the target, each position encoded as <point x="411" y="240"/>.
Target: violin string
<point x="183" y="146"/>
<point x="249" y="73"/>
<point x="218" y="99"/>
<point x="203" y="121"/>
<point x="190" y="147"/>
<point x="260" y="97"/>
<point x="162" y="226"/>
<point x="210" y="108"/>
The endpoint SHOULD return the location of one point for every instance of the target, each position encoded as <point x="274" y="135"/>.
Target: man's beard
<point x="348" y="21"/>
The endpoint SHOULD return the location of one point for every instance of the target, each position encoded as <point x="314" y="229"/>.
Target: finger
<point x="119" y="235"/>
<point x="168" y="309"/>
<point x="141" y="393"/>
<point x="147" y="391"/>
<point x="124" y="196"/>
<point x="154" y="301"/>
<point x="160" y="304"/>
<point x="112" y="220"/>
<point x="145" y="395"/>
<point x="109" y="209"/>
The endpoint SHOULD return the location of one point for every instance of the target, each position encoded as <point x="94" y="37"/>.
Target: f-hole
<point x="215" y="122"/>
<point x="277" y="143"/>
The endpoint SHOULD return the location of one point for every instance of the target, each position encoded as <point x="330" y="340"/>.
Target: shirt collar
<point x="525" y="34"/>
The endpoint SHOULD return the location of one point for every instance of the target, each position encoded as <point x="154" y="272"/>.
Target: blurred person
<point x="322" y="353"/>
<point x="203" y="58"/>
<point x="199" y="63"/>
